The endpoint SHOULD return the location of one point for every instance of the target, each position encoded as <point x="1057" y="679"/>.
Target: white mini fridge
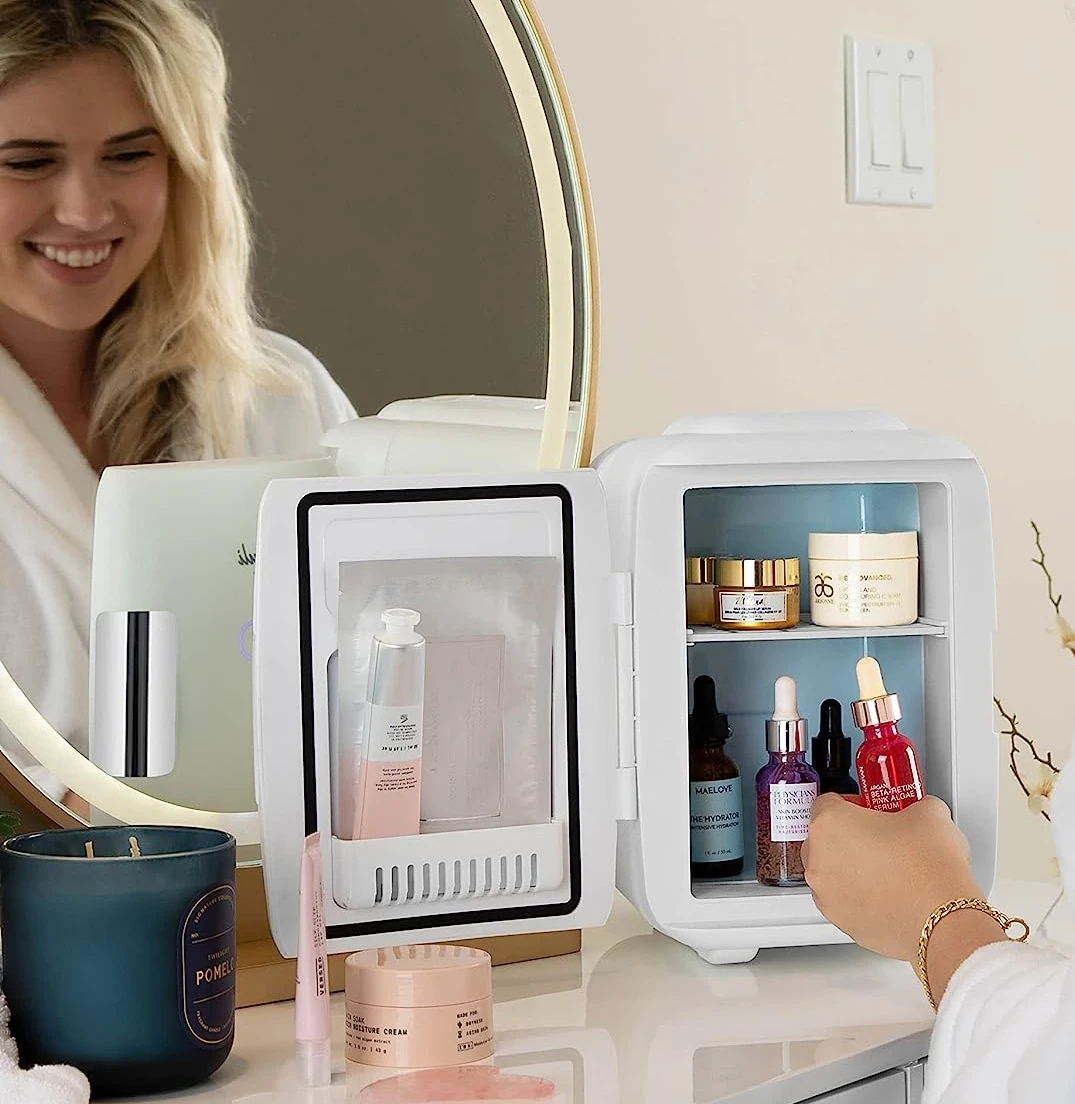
<point x="613" y="806"/>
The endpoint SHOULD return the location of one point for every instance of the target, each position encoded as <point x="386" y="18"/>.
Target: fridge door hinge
<point x="623" y="604"/>
<point x="627" y="793"/>
<point x="626" y="697"/>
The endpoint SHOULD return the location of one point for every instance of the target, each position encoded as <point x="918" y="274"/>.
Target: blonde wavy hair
<point x="178" y="359"/>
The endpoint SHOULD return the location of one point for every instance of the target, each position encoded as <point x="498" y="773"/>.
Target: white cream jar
<point x="863" y="579"/>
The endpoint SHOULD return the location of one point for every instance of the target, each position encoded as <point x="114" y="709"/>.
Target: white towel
<point x="47" y="493"/>
<point x="1005" y="1033"/>
<point x="40" y="1085"/>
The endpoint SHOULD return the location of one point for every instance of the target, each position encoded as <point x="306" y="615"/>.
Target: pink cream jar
<point x="413" y="1007"/>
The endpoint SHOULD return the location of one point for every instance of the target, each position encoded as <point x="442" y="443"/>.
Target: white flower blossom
<point x="1041" y="791"/>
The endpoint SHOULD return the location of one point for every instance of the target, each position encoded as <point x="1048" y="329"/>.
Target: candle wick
<point x="135" y="849"/>
<point x="89" y="849"/>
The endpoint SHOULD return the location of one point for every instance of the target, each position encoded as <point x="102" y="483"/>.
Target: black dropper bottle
<point x="716" y="799"/>
<point x="832" y="751"/>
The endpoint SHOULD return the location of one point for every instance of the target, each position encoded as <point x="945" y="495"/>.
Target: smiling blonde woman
<point x="127" y="328"/>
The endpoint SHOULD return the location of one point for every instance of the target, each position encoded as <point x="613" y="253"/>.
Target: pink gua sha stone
<point x="457" y="1086"/>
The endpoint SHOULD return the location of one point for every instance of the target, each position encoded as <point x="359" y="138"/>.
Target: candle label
<point x="207" y="966"/>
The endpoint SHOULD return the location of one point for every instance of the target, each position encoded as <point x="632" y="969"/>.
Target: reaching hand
<point x="878" y="876"/>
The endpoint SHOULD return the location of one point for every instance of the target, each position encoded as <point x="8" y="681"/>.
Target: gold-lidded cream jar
<point x="757" y="594"/>
<point x="864" y="579"/>
<point x="701" y="607"/>
<point x="417" y="1007"/>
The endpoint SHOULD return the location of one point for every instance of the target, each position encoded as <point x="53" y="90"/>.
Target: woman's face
<point x="83" y="191"/>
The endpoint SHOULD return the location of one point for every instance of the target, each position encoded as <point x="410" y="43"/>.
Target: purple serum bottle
<point x="786" y="788"/>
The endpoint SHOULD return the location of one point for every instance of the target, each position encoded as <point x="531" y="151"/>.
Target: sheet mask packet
<point x="490" y="626"/>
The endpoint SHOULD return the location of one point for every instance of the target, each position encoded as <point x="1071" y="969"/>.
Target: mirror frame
<point x="519" y="41"/>
<point x="537" y="88"/>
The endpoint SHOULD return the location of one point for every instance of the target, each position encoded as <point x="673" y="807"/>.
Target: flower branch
<point x="1054" y="599"/>
<point x="1063" y="629"/>
<point x="1037" y="793"/>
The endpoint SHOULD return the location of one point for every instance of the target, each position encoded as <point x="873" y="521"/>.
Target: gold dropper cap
<point x="876" y="706"/>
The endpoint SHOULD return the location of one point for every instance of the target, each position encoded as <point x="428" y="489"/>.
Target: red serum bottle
<point x="889" y="776"/>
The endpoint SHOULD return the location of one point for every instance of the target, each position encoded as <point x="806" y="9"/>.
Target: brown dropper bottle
<point x="716" y="799"/>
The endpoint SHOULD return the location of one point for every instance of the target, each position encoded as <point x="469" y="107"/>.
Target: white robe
<point x="1005" y="1032"/>
<point x="47" y="492"/>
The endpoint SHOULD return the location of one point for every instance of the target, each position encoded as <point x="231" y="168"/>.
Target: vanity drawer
<point x="888" y="1088"/>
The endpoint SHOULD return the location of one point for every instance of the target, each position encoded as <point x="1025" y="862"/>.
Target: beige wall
<point x="735" y="275"/>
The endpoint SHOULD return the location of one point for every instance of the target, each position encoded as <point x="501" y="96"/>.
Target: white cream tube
<point x="389" y="786"/>
<point x="313" y="1022"/>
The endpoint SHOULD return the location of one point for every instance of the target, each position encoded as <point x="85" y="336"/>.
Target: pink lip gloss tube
<point x="389" y="785"/>
<point x="313" y="1025"/>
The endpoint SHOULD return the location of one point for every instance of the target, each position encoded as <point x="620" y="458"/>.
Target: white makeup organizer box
<point x="622" y="663"/>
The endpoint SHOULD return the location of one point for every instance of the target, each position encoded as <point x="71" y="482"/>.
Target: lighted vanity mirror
<point x="423" y="228"/>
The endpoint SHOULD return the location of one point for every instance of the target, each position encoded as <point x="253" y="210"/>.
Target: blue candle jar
<point x="121" y="964"/>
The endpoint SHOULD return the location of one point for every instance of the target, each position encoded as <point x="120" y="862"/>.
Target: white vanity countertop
<point x="639" y="1019"/>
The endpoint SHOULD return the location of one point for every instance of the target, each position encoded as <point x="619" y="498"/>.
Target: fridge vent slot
<point x="447" y="866"/>
<point x="438" y="882"/>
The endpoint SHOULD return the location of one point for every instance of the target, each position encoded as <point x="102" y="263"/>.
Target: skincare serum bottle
<point x="786" y="788"/>
<point x="832" y="751"/>
<point x="716" y="796"/>
<point x="887" y="763"/>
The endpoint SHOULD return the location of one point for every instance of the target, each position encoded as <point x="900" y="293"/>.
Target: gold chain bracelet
<point x="935" y="917"/>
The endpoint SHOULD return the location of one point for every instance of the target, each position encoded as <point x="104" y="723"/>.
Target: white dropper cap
<point x="876" y="706"/>
<point x="786" y="731"/>
<point x="399" y="626"/>
<point x="871" y="681"/>
<point x="786" y="699"/>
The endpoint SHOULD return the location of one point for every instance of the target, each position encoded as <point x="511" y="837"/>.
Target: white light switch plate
<point x="889" y="105"/>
